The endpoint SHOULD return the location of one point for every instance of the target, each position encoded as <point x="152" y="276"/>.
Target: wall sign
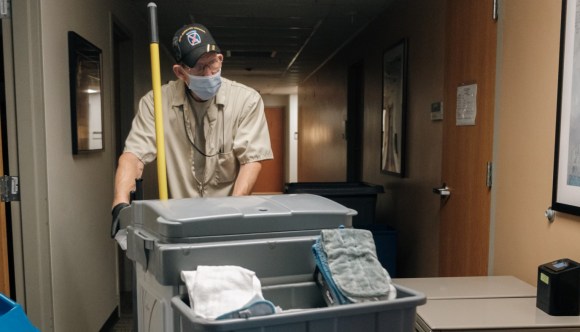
<point x="466" y="105"/>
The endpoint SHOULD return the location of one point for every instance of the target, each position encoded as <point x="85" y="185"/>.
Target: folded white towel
<point x="215" y="290"/>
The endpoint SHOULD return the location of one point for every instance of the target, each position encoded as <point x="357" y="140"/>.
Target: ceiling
<point x="271" y="45"/>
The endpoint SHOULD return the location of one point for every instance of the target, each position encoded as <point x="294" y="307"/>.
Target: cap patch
<point x="193" y="38"/>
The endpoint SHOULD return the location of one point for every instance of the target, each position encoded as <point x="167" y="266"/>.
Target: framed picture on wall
<point x="85" y="94"/>
<point x="566" y="188"/>
<point x="394" y="109"/>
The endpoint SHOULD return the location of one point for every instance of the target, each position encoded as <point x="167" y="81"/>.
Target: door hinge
<point x="488" y="177"/>
<point x="5" y="9"/>
<point x="9" y="188"/>
<point x="494" y="15"/>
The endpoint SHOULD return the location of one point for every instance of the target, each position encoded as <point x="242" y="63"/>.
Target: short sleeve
<point x="141" y="139"/>
<point x="252" y="139"/>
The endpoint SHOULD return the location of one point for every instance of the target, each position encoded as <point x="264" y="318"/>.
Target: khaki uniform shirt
<point x="235" y="132"/>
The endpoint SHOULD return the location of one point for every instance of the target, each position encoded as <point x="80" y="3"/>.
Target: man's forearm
<point x="247" y="178"/>
<point x="129" y="169"/>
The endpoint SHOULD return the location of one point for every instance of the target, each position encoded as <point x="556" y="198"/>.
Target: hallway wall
<point x="408" y="203"/>
<point x="524" y="144"/>
<point x="70" y="260"/>
<point x="526" y="101"/>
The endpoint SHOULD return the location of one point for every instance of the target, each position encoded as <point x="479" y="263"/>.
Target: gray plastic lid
<point x="175" y="219"/>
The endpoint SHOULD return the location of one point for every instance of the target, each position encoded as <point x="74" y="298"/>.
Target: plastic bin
<point x="359" y="196"/>
<point x="12" y="317"/>
<point x="394" y="315"/>
<point x="270" y="235"/>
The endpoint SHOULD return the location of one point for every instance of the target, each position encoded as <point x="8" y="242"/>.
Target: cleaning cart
<point x="270" y="235"/>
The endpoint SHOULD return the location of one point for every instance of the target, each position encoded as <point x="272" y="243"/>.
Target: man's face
<point x="207" y="65"/>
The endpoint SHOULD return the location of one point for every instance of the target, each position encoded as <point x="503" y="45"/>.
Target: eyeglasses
<point x="213" y="65"/>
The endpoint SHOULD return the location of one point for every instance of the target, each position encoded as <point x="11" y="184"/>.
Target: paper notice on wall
<point x="466" y="105"/>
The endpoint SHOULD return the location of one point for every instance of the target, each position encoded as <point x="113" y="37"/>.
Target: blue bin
<point x="12" y="317"/>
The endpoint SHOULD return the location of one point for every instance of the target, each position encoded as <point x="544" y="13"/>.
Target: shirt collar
<point x="181" y="97"/>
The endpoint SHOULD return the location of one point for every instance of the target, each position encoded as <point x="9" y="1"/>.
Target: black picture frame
<point x="86" y="98"/>
<point x="394" y="112"/>
<point x="566" y="179"/>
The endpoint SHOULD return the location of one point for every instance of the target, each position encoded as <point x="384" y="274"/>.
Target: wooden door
<point x="355" y="122"/>
<point x="4" y="265"/>
<point x="469" y="58"/>
<point x="271" y="179"/>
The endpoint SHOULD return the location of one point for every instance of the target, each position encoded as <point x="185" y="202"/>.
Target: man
<point x="215" y="129"/>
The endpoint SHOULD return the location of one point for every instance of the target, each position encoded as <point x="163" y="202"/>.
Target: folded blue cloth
<point x="256" y="307"/>
<point x="348" y="263"/>
<point x="324" y="277"/>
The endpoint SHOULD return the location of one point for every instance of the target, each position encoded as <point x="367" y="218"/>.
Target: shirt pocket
<point x="228" y="167"/>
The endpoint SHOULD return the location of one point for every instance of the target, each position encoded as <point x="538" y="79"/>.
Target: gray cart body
<point x="308" y="312"/>
<point x="270" y="235"/>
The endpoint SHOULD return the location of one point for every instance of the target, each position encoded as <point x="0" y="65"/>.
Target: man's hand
<point x="115" y="224"/>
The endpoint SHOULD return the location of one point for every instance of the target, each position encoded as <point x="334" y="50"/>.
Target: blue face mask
<point x="205" y="87"/>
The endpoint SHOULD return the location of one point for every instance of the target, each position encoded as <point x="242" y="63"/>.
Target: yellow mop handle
<point x="156" y="80"/>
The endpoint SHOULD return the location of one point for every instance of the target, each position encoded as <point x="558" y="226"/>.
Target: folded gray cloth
<point x="355" y="268"/>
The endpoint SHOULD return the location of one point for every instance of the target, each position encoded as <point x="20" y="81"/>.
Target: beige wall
<point x="408" y="204"/>
<point x="69" y="260"/>
<point x="82" y="256"/>
<point x="524" y="146"/>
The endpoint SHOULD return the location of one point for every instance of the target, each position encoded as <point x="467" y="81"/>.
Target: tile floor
<point x="125" y="322"/>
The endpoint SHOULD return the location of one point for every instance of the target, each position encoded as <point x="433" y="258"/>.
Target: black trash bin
<point x="359" y="196"/>
<point x="385" y="238"/>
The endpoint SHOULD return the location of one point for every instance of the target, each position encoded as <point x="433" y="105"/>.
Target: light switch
<point x="437" y="111"/>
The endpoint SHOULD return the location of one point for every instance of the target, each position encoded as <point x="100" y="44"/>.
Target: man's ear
<point x="180" y="73"/>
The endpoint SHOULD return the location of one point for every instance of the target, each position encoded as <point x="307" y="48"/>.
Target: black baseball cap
<point x="192" y="41"/>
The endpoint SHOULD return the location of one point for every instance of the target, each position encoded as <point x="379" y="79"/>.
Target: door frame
<point x="11" y="167"/>
<point x="28" y="160"/>
<point x="5" y="226"/>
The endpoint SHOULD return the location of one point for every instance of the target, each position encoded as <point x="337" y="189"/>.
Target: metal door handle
<point x="444" y="191"/>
